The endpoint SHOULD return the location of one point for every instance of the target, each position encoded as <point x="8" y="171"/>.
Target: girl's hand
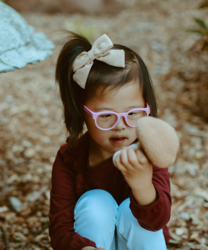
<point x="92" y="248"/>
<point x="135" y="167"/>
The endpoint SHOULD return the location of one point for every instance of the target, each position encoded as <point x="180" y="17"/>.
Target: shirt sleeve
<point x="156" y="215"/>
<point x="62" y="204"/>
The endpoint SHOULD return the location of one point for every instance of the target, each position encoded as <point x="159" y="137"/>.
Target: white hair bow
<point x="101" y="50"/>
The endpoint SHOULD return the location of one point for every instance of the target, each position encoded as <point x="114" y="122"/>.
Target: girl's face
<point x="119" y="100"/>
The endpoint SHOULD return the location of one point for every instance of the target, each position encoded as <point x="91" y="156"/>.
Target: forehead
<point x="121" y="98"/>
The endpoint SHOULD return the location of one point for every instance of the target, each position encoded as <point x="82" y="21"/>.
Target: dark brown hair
<point x="101" y="76"/>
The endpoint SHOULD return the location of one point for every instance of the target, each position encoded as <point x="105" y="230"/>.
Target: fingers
<point x="142" y="157"/>
<point x="130" y="158"/>
<point x="126" y="160"/>
<point x="118" y="164"/>
<point x="125" y="157"/>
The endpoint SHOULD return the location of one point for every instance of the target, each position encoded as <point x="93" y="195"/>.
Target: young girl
<point x="95" y="204"/>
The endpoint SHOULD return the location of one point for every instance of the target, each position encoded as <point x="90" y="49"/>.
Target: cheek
<point x="134" y="134"/>
<point x="94" y="132"/>
<point x="99" y="136"/>
<point x="89" y="123"/>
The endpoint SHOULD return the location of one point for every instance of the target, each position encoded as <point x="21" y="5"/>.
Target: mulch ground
<point x="32" y="126"/>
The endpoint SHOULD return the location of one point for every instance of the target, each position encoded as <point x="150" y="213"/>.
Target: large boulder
<point x="19" y="44"/>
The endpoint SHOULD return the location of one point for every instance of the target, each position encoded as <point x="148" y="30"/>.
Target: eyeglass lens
<point x="107" y="120"/>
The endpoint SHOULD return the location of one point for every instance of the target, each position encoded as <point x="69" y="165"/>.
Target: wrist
<point x="143" y="187"/>
<point x="145" y="196"/>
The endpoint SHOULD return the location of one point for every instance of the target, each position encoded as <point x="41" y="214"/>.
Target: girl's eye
<point x="105" y="116"/>
<point x="133" y="113"/>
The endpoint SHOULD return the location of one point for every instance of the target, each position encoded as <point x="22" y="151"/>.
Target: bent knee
<point x="97" y="204"/>
<point x="126" y="221"/>
<point x="96" y="198"/>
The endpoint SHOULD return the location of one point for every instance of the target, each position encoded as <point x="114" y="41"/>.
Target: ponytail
<point x="72" y="95"/>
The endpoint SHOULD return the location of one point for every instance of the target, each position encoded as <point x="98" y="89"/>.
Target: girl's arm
<point x="62" y="204"/>
<point x="150" y="199"/>
<point x="155" y="216"/>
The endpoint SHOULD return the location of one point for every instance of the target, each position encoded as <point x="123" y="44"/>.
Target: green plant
<point x="80" y="28"/>
<point x="202" y="43"/>
<point x="198" y="89"/>
<point x="202" y="30"/>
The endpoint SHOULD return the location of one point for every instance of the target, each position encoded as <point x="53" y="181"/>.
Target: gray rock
<point x="15" y="203"/>
<point x="185" y="215"/>
<point x="19" y="44"/>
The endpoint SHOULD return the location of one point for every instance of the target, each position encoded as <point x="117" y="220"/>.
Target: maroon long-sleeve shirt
<point x="71" y="177"/>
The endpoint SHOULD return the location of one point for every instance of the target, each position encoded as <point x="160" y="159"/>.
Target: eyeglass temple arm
<point x="148" y="109"/>
<point x="88" y="111"/>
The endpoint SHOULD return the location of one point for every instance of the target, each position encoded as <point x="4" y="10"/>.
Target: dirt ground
<point x="32" y="127"/>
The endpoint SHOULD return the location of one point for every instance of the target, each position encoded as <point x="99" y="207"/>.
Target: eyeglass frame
<point x="94" y="115"/>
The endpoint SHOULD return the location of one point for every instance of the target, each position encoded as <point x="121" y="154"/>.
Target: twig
<point x="197" y="133"/>
<point x="196" y="246"/>
<point x="5" y="238"/>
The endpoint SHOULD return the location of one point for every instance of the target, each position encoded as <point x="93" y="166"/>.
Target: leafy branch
<point x="202" y="29"/>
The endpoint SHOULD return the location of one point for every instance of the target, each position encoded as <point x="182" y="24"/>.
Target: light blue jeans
<point x="99" y="218"/>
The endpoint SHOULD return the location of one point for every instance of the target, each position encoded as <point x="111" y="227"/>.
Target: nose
<point x="121" y="124"/>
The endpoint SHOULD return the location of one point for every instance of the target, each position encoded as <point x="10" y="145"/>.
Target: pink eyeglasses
<point x="107" y="120"/>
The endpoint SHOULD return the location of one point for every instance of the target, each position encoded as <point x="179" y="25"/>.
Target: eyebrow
<point x="132" y="107"/>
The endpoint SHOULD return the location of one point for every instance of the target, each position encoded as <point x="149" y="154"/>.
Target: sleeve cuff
<point x="151" y="206"/>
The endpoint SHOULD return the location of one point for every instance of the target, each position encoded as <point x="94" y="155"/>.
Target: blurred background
<point x="172" y="38"/>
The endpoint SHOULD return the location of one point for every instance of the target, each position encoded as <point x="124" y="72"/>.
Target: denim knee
<point x="124" y="218"/>
<point x="137" y="237"/>
<point x="95" y="215"/>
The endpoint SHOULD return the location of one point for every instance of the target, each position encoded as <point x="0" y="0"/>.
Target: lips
<point x="118" y="137"/>
<point x="117" y="140"/>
